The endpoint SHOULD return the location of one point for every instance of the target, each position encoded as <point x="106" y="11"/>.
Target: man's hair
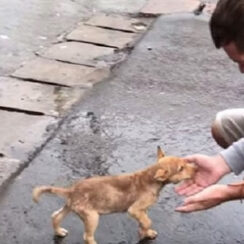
<point x="227" y="24"/>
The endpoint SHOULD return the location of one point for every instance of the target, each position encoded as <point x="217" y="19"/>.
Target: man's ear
<point x="161" y="175"/>
<point x="160" y="153"/>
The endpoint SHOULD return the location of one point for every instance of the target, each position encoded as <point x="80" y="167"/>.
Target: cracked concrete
<point x="166" y="93"/>
<point x="27" y="27"/>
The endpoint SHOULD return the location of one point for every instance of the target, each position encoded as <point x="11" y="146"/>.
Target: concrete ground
<point x="166" y="93"/>
<point x="36" y="93"/>
<point x="66" y="40"/>
<point x="27" y="26"/>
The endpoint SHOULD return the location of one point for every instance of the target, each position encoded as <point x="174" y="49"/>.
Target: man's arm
<point x="234" y="156"/>
<point x="212" y="196"/>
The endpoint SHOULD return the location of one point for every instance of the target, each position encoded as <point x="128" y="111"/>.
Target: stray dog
<point x="133" y="192"/>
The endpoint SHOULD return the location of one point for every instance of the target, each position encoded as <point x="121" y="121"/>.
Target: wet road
<point x="167" y="94"/>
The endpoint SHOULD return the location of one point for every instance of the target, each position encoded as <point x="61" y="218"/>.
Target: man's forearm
<point x="235" y="191"/>
<point x="234" y="156"/>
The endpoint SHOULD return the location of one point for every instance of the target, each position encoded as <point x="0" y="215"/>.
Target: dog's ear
<point x="160" y="153"/>
<point x="161" y="175"/>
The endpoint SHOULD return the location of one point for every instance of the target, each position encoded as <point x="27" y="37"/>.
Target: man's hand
<point x="208" y="198"/>
<point x="209" y="171"/>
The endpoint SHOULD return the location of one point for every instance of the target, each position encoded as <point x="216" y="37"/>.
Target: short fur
<point x="134" y="193"/>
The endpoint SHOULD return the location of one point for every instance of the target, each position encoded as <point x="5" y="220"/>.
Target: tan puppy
<point x="133" y="192"/>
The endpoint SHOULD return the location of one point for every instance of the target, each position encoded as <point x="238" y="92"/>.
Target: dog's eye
<point x="180" y="168"/>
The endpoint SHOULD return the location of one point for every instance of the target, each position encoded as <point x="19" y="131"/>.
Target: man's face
<point x="235" y="55"/>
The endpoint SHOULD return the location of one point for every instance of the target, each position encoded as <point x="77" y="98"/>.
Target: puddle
<point x="139" y="26"/>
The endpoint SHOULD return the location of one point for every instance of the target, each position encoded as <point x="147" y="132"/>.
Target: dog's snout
<point x="192" y="168"/>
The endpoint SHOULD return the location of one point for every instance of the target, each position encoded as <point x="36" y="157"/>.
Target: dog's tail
<point x="38" y="191"/>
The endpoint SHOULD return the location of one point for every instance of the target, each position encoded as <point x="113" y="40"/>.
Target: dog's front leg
<point x="138" y="211"/>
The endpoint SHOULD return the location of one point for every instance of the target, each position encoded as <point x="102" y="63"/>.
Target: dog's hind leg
<point x="139" y="211"/>
<point x="57" y="217"/>
<point x="90" y="219"/>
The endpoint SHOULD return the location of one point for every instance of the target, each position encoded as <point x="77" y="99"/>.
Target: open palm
<point x="208" y="198"/>
<point x="210" y="169"/>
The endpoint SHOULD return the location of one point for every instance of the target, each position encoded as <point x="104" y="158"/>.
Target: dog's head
<point x="173" y="169"/>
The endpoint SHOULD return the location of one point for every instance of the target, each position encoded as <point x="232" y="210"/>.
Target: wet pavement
<point x="64" y="72"/>
<point x="167" y="94"/>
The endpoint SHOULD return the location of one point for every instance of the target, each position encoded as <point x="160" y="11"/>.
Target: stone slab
<point x="120" y="22"/>
<point x="209" y="9"/>
<point x="77" y="52"/>
<point x="101" y="36"/>
<point x="156" y="7"/>
<point x="37" y="98"/>
<point x="118" y="6"/>
<point x="8" y="168"/>
<point x="21" y="133"/>
<point x="60" y="73"/>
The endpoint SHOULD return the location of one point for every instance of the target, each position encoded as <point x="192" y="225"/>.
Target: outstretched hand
<point x="210" y="169"/>
<point x="208" y="198"/>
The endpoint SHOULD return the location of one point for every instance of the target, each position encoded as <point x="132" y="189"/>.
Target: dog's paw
<point x="148" y="234"/>
<point x="152" y="234"/>
<point x="61" y="232"/>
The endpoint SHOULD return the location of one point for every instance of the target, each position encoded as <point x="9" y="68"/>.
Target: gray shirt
<point x="234" y="156"/>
